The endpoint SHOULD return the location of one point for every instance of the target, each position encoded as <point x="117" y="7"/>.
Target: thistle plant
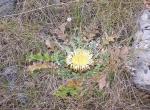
<point x="79" y="60"/>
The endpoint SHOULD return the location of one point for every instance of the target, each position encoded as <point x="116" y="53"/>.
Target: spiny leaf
<point x="38" y="66"/>
<point x="65" y="91"/>
<point x="46" y="57"/>
<point x="39" y="57"/>
<point x="71" y="88"/>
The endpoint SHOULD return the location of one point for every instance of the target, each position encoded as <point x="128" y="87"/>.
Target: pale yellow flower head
<point x="79" y="60"/>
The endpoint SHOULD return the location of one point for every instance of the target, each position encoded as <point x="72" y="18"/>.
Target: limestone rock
<point x="141" y="52"/>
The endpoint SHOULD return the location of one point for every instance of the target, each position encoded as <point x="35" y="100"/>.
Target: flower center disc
<point x="80" y="59"/>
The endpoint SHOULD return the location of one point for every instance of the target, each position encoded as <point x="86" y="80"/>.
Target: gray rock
<point x="7" y="7"/>
<point x="141" y="50"/>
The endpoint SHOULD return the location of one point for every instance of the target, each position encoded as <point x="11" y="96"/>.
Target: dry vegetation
<point x="35" y="21"/>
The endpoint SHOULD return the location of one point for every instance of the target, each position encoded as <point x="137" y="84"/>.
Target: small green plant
<point x="65" y="91"/>
<point x="39" y="57"/>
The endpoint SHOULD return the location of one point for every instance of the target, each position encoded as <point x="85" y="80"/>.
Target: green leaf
<point x="46" y="57"/>
<point x="38" y="57"/>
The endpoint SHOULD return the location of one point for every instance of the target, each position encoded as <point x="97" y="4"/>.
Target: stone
<point x="141" y="52"/>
